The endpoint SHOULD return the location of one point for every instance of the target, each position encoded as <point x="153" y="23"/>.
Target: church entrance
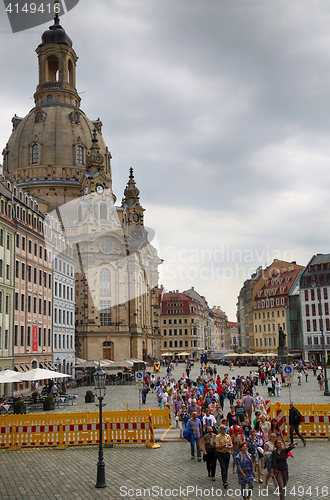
<point x="108" y="350"/>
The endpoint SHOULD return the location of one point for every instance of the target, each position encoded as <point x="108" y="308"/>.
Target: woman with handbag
<point x="210" y="456"/>
<point x="280" y="466"/>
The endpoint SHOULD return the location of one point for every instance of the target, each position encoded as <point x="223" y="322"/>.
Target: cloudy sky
<point x="222" y="109"/>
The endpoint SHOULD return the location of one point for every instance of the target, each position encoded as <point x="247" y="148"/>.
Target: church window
<point x="79" y="214"/>
<point x="49" y="98"/>
<point x="105" y="312"/>
<point x="38" y="117"/>
<point x="105" y="283"/>
<point x="35" y="153"/>
<point x="106" y="245"/>
<point x="51" y="69"/>
<point x="103" y="211"/>
<point x="80" y="155"/>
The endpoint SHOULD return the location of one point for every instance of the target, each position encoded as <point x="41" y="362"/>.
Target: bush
<point x="119" y="374"/>
<point x="89" y="393"/>
<point x="62" y="393"/>
<point x="149" y="373"/>
<point x="20" y="402"/>
<point x="35" y="394"/>
<point x="48" y="399"/>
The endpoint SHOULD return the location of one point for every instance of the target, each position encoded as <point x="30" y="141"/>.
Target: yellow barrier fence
<point x="315" y="418"/>
<point x="81" y="428"/>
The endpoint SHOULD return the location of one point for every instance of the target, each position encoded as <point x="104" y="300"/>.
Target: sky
<point x="222" y="109"/>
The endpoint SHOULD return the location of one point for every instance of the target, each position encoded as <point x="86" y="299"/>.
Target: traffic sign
<point x="138" y="376"/>
<point x="139" y="379"/>
<point x="287" y="369"/>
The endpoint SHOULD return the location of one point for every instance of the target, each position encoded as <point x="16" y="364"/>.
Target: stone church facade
<point x="58" y="156"/>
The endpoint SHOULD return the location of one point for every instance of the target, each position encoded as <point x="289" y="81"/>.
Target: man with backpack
<point x="294" y="421"/>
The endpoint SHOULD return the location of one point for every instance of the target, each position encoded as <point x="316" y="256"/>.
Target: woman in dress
<point x="245" y="471"/>
<point x="265" y="426"/>
<point x="209" y="445"/>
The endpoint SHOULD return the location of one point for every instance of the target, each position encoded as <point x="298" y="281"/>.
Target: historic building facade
<point x="314" y="299"/>
<point x="57" y="155"/>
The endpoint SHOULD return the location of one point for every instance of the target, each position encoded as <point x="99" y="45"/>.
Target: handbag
<point x="204" y="457"/>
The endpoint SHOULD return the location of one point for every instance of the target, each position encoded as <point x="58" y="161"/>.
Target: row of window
<point x="311" y="293"/>
<point x="321" y="279"/>
<point x="33" y="248"/>
<point x="39" y="306"/>
<point x="258" y="315"/>
<point x="44" y="278"/>
<point x="67" y="269"/>
<point x="261" y="304"/>
<point x="170" y="343"/>
<point x="259" y="342"/>
<point x="317" y="341"/>
<point x="2" y="239"/>
<point x="176" y="321"/>
<point x="319" y="306"/>
<point x="175" y="305"/>
<point x="315" y="326"/>
<point x="65" y="292"/>
<point x="63" y="341"/>
<point x="44" y="336"/>
<point x="63" y="317"/>
<point x="174" y="311"/>
<point x="175" y="331"/>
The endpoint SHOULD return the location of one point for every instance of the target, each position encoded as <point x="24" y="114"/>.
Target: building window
<point x="28" y="339"/>
<point x="22" y="335"/>
<point x="308" y="325"/>
<point x="29" y="303"/>
<point x="6" y="339"/>
<point x="164" y="333"/>
<point x="105" y="283"/>
<point x="23" y="271"/>
<point x="22" y="302"/>
<point x="307" y="309"/>
<point x="16" y="301"/>
<point x="16" y="335"/>
<point x="105" y="312"/>
<point x="103" y="211"/>
<point x="7" y="304"/>
<point x="49" y="336"/>
<point x="80" y="155"/>
<point x="35" y="153"/>
<point x="165" y="343"/>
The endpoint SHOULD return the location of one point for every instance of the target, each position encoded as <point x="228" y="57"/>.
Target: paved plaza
<point x="139" y="472"/>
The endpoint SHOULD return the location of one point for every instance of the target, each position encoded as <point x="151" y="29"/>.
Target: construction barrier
<point x="315" y="418"/>
<point x="79" y="428"/>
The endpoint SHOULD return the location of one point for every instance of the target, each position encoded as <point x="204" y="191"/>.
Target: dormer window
<point x="80" y="155"/>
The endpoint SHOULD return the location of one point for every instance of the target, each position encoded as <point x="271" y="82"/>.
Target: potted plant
<point x="89" y="397"/>
<point x="20" y="407"/>
<point x="49" y="403"/>
<point x="35" y="394"/>
<point x="61" y="393"/>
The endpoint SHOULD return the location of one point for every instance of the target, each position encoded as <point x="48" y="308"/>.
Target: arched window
<point x="49" y="98"/>
<point x="35" y="153"/>
<point x="105" y="283"/>
<point x="52" y="69"/>
<point x="70" y="72"/>
<point x="80" y="155"/>
<point x="79" y="213"/>
<point x="103" y="211"/>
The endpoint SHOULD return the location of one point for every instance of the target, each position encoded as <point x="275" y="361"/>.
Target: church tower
<point x="51" y="149"/>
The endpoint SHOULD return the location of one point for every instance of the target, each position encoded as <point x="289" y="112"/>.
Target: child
<point x="246" y="428"/>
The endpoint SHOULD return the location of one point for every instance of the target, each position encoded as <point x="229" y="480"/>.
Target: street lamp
<point x="326" y="387"/>
<point x="99" y="380"/>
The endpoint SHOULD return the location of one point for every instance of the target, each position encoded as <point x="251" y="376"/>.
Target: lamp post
<point x="99" y="380"/>
<point x="326" y="387"/>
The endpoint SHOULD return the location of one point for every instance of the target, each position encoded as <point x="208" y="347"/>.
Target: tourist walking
<point x="224" y="447"/>
<point x="209" y="445"/>
<point x="245" y="471"/>
<point x="280" y="466"/>
<point x="294" y="422"/>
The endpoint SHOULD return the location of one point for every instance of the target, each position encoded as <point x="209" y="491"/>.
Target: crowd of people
<point x="256" y="445"/>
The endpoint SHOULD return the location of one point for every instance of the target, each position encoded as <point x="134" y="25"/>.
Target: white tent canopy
<point x="39" y="374"/>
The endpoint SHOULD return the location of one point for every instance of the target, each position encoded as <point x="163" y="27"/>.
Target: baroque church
<point x="58" y="156"/>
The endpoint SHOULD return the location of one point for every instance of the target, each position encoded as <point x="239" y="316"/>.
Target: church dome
<point x="55" y="34"/>
<point x="58" y="130"/>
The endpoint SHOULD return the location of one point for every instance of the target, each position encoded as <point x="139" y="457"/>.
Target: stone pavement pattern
<point x="69" y="474"/>
<point x="47" y="473"/>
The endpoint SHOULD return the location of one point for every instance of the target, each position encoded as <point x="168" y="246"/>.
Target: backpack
<point x="319" y="377"/>
<point x="297" y="417"/>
